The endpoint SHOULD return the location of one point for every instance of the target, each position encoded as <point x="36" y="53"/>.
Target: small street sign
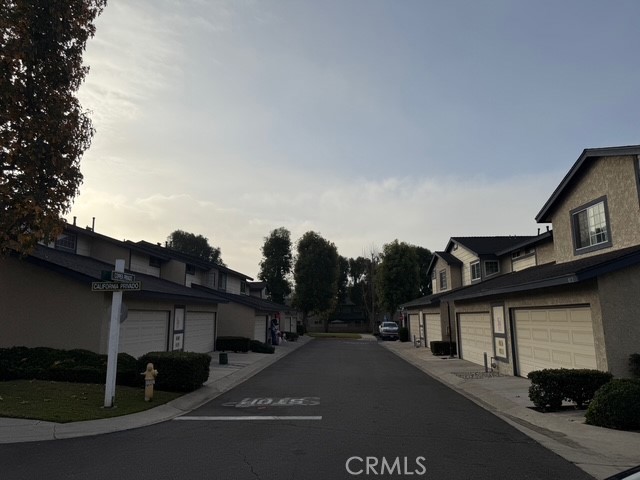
<point x="115" y="286"/>
<point x="123" y="277"/>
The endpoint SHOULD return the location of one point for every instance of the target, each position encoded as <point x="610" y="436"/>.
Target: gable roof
<point x="432" y="300"/>
<point x="548" y="235"/>
<point x="447" y="257"/>
<point x="489" y="245"/>
<point x="549" y="275"/>
<point x="544" y="216"/>
<point x="87" y="269"/>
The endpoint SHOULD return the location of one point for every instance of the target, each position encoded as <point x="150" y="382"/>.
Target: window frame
<point x="154" y="261"/>
<point x="190" y="269"/>
<point x="573" y="219"/>
<point x="442" y="274"/>
<point x="67" y="242"/>
<point x="471" y="268"/>
<point x="484" y="267"/>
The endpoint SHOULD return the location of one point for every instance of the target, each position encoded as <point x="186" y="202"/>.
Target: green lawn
<point x="63" y="402"/>
<point x="334" y="335"/>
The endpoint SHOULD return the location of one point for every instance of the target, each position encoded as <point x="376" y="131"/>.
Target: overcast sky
<point x="363" y="120"/>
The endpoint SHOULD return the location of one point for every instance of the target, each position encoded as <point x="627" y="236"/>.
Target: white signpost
<point x="120" y="281"/>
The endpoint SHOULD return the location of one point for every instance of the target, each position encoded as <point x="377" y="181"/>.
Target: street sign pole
<point x="114" y="338"/>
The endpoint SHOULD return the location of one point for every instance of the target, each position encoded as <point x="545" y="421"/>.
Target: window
<point x="222" y="281"/>
<point x="191" y="269"/>
<point x="243" y="287"/>
<point x="154" y="262"/>
<point x="475" y="271"/>
<point x="443" y="280"/>
<point x="66" y="241"/>
<point x="591" y="227"/>
<point x="516" y="254"/>
<point x="491" y="267"/>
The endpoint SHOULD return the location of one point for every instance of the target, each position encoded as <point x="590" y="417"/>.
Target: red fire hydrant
<point x="149" y="381"/>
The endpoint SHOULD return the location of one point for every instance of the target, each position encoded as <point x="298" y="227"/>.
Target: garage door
<point x="415" y="332"/>
<point x="554" y="338"/>
<point x="144" y="331"/>
<point x="260" y="329"/>
<point x="199" y="332"/>
<point x="434" y="329"/>
<point x="475" y="337"/>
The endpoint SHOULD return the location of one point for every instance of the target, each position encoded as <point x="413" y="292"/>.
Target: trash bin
<point x="224" y="359"/>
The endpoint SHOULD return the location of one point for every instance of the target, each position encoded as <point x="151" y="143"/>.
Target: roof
<point x="447" y="257"/>
<point x="548" y="235"/>
<point x="87" y="269"/>
<point x="260" y="304"/>
<point x="432" y="300"/>
<point x="549" y="275"/>
<point x="489" y="245"/>
<point x="544" y="216"/>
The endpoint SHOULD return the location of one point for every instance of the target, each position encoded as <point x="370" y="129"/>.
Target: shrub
<point x="177" y="371"/>
<point x="233" y="344"/>
<point x="546" y="389"/>
<point x="300" y="329"/>
<point x="616" y="405"/>
<point x="290" y="336"/>
<point x="260" y="347"/>
<point x="581" y="385"/>
<point x="634" y="364"/>
<point x="403" y="334"/>
<point x="550" y="387"/>
<point x="440" y="348"/>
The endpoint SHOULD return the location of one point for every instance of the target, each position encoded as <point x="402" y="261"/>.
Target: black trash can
<point x="224" y="358"/>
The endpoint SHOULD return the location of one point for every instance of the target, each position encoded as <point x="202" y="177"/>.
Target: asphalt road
<point x="337" y="409"/>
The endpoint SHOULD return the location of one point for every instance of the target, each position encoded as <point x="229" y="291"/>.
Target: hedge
<point x="81" y="366"/>
<point x="290" y="336"/>
<point x="550" y="387"/>
<point x="177" y="371"/>
<point x="616" y="405"/>
<point x="260" y="347"/>
<point x="233" y="344"/>
<point x="440" y="348"/>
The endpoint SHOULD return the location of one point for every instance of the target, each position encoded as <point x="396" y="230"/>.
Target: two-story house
<point x="579" y="309"/>
<point x="181" y="305"/>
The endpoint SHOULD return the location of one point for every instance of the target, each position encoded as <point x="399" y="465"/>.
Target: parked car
<point x="388" y="330"/>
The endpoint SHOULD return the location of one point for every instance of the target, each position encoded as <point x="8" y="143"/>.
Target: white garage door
<point x="554" y="338"/>
<point x="260" y="329"/>
<point x="434" y="329"/>
<point x="144" y="331"/>
<point x="199" y="332"/>
<point x="475" y="337"/>
<point x="415" y="332"/>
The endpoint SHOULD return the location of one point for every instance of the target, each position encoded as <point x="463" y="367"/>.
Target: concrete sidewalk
<point x="241" y="367"/>
<point x="600" y="452"/>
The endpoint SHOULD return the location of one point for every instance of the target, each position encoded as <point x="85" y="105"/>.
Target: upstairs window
<point x="243" y="287"/>
<point x="491" y="267"/>
<point x="66" y="241"/>
<point x="191" y="269"/>
<point x="154" y="262"/>
<point x="222" y="281"/>
<point x="591" y="227"/>
<point x="443" y="280"/>
<point x="475" y="271"/>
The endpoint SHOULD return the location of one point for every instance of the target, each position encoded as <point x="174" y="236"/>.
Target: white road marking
<point x="251" y="417"/>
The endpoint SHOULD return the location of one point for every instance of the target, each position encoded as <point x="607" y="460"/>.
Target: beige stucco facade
<point x="610" y="177"/>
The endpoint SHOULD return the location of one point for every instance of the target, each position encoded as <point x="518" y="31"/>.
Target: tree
<point x="316" y="274"/>
<point x="276" y="263"/>
<point x="43" y="129"/>
<point x="398" y="275"/>
<point x="195" y="245"/>
<point x="361" y="284"/>
<point x="424" y="259"/>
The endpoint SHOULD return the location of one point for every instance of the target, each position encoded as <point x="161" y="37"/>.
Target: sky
<point x="365" y="121"/>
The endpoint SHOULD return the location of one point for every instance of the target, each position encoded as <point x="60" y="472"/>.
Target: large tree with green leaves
<point x="195" y="245"/>
<point x="424" y="259"/>
<point x="362" y="289"/>
<point x="276" y="264"/>
<point x="398" y="276"/>
<point x="316" y="273"/>
<point x="43" y="129"/>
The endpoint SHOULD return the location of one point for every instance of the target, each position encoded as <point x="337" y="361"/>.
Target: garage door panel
<point x="475" y="337"/>
<point x="554" y="338"/>
<point x="434" y="328"/>
<point x="260" y="329"/>
<point x="199" y="332"/>
<point x="144" y="331"/>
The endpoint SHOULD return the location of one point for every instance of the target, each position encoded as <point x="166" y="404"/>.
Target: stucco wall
<point x="235" y="320"/>
<point x="109" y="252"/>
<point x="43" y="308"/>
<point x="615" y="178"/>
<point x="466" y="257"/>
<point x="545" y="253"/>
<point x="174" y="271"/>
<point x="621" y="312"/>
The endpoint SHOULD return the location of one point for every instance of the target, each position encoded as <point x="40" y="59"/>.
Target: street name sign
<point x="115" y="286"/>
<point x="123" y="277"/>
